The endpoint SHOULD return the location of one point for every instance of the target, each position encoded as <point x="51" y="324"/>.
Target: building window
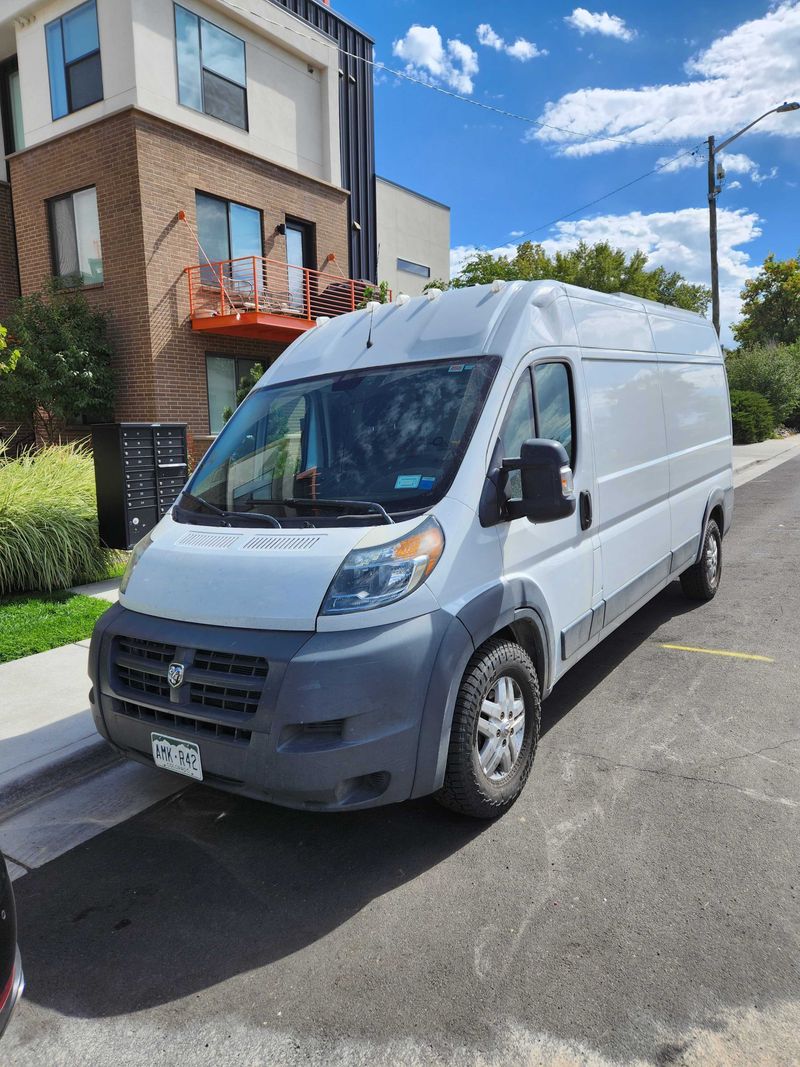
<point x="228" y="231"/>
<point x="224" y="375"/>
<point x="73" y="60"/>
<point x="11" y="106"/>
<point x="75" y="237"/>
<point x="211" y="69"/>
<point x="414" y="268"/>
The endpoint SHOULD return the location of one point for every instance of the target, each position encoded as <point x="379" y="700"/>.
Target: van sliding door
<point x="627" y="417"/>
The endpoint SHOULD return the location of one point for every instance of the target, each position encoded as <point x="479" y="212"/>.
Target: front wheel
<point x="495" y="731"/>
<point x="701" y="580"/>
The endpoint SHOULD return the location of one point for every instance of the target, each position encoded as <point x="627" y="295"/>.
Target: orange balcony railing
<point x="258" y="297"/>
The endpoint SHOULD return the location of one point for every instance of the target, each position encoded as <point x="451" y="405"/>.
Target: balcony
<point x="265" y="299"/>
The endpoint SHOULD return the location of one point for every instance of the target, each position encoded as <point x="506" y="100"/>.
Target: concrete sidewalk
<point x="47" y="735"/>
<point x="45" y="721"/>
<point x="46" y="726"/>
<point x="758" y="459"/>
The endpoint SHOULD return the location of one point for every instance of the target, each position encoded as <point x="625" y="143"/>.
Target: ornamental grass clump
<point x="48" y="520"/>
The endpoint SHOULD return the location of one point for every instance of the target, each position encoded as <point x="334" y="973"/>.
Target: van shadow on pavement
<point x="207" y="886"/>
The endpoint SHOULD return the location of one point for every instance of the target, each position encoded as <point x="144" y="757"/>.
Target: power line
<point x="584" y="207"/>
<point x="379" y="65"/>
<point x="514" y="115"/>
<point x="505" y="114"/>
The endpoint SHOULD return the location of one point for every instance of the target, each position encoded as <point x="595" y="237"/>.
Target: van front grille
<point x="231" y="663"/>
<point x="154" y="651"/>
<point x="183" y="723"/>
<point x="143" y="681"/>
<point x="219" y="693"/>
<point x="224" y="697"/>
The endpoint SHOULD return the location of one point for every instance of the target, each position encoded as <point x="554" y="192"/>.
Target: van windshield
<point x="391" y="437"/>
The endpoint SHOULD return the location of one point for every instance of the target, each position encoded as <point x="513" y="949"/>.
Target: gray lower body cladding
<point x="312" y="720"/>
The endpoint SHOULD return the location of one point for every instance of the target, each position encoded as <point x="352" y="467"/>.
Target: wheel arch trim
<point x="515" y="606"/>
<point x="718" y="498"/>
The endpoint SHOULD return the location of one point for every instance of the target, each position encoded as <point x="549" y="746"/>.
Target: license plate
<point x="172" y="754"/>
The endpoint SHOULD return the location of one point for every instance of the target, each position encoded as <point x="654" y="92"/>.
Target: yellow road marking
<point x="720" y="652"/>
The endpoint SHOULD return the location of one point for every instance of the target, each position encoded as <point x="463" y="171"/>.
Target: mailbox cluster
<point x="140" y="468"/>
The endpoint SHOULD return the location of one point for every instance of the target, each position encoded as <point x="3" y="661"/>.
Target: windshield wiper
<point x="249" y="515"/>
<point x="368" y="507"/>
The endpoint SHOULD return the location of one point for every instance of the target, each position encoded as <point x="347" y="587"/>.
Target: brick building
<point x="207" y="170"/>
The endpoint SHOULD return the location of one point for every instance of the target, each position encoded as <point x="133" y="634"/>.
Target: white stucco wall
<point x="411" y="227"/>
<point x="292" y="76"/>
<point x="292" y="82"/>
<point x="115" y="28"/>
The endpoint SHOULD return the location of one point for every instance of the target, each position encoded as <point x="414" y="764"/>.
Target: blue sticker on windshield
<point x="426" y="483"/>
<point x="455" y="368"/>
<point x="407" y="481"/>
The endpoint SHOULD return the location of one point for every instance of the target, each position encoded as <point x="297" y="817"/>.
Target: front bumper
<point x="324" y="721"/>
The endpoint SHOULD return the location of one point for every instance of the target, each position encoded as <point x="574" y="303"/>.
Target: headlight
<point x="371" y="577"/>
<point x="136" y="555"/>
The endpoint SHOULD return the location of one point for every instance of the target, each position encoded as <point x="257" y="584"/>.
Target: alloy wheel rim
<point x="501" y="728"/>
<point x="712" y="560"/>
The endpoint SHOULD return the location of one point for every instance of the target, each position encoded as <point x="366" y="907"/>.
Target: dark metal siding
<point x="356" y="128"/>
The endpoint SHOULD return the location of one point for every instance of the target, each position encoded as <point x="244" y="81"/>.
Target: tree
<point x="61" y="366"/>
<point x="771" y="304"/>
<point x="597" y="266"/>
<point x="773" y="371"/>
<point x="9" y="362"/>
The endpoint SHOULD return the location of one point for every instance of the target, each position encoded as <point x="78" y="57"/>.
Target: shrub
<point x="48" y="521"/>
<point x="773" y="371"/>
<point x="753" y="417"/>
<point x="60" y="364"/>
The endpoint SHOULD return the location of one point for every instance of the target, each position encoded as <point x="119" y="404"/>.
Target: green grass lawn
<point x="35" y="622"/>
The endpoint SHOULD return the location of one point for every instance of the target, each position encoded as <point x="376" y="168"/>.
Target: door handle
<point x="586" y="509"/>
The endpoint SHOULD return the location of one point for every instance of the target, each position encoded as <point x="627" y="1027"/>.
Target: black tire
<point x="701" y="580"/>
<point x="467" y="789"/>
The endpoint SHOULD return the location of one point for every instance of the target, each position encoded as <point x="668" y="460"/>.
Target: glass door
<point x="296" y="259"/>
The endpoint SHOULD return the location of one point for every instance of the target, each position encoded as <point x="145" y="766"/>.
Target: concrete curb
<point x="94" y="755"/>
<point x="753" y="468"/>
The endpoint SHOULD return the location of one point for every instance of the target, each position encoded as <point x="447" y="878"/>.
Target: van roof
<point x="505" y="319"/>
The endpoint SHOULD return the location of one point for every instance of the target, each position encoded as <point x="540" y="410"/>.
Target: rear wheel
<point x="701" y="580"/>
<point x="495" y="731"/>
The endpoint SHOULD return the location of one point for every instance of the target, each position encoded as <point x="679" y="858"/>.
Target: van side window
<point x="519" y="425"/>
<point x="554" y="405"/>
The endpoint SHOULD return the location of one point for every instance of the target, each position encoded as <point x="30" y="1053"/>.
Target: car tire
<point x="495" y="731"/>
<point x="701" y="580"/>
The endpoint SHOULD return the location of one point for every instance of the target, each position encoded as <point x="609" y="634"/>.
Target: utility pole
<point x="713" y="189"/>
<point x="713" y="192"/>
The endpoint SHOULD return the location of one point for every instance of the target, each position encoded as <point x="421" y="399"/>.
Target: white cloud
<point x="524" y="50"/>
<point x="734" y="185"/>
<point x="521" y="49"/>
<point x="742" y="74"/>
<point x="676" y="240"/>
<point x="426" y="57"/>
<point x="599" y="22"/>
<point x="488" y="38"/>
<point x="516" y="233"/>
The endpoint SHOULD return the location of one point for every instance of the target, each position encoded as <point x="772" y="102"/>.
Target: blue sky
<point x="663" y="75"/>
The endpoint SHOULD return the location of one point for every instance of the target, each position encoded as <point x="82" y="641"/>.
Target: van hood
<point x="249" y="577"/>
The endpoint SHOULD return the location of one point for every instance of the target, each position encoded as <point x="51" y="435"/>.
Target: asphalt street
<point x="639" y="904"/>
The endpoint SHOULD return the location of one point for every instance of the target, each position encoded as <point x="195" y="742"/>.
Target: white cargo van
<point x="420" y="518"/>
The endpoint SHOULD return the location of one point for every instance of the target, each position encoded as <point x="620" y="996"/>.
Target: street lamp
<point x="713" y="193"/>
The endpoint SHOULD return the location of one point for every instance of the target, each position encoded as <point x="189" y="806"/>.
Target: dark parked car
<point x="11" y="979"/>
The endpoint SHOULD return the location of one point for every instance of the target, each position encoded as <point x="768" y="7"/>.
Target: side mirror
<point x="547" y="490"/>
